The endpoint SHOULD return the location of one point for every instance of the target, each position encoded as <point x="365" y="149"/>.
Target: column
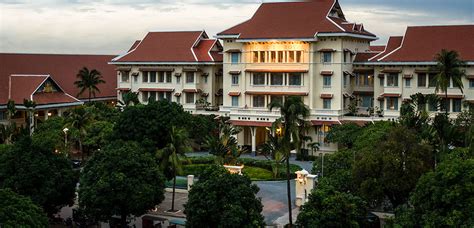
<point x="46" y="112"/>
<point x="253" y="131"/>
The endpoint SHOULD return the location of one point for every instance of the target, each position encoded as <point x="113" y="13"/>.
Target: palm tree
<point x="293" y="113"/>
<point x="170" y="155"/>
<point x="11" y="109"/>
<point x="88" y="80"/>
<point x="275" y="150"/>
<point x="30" y="107"/>
<point x="225" y="146"/>
<point x="79" y="119"/>
<point x="449" y="68"/>
<point x="130" y="98"/>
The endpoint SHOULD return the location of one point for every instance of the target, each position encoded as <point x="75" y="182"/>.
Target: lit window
<point x="189" y="98"/>
<point x="421" y="80"/>
<point x="262" y="56"/>
<point x="189" y="77"/>
<point x="255" y="57"/>
<point x="326" y="103"/>
<point x="298" y="56"/>
<point x="259" y="79"/>
<point x="258" y="101"/>
<point x="291" y="57"/>
<point x="276" y="79"/>
<point x="327" y="81"/>
<point x="280" y="56"/>
<point x="294" y="79"/>
<point x="234" y="57"/>
<point x="235" y="101"/>
<point x="235" y="79"/>
<point x="392" y="103"/>
<point x="392" y="79"/>
<point x="273" y="56"/>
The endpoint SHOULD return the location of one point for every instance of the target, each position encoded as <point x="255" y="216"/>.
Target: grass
<point x="180" y="183"/>
<point x="256" y="173"/>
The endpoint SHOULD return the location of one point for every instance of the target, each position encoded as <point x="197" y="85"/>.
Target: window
<point x="327" y="57"/>
<point x="205" y="79"/>
<point x="445" y="104"/>
<point x="272" y="56"/>
<point x="178" y="80"/>
<point x="152" y="75"/>
<point x="421" y="80"/>
<point x="168" y="76"/>
<point x="326" y="81"/>
<point x="408" y="82"/>
<point x="392" y="103"/>
<point x="432" y="107"/>
<point x="189" y="98"/>
<point x="276" y="78"/>
<point x="259" y="101"/>
<point x="178" y="99"/>
<point x="382" y="81"/>
<point x="294" y="79"/>
<point x="145" y="76"/>
<point x="3" y="114"/>
<point x="298" y="56"/>
<point x="432" y="80"/>
<point x="276" y="99"/>
<point x="125" y="75"/>
<point x="161" y="96"/>
<point x="471" y="83"/>
<point x="456" y="105"/>
<point x="280" y="56"/>
<point x="326" y="103"/>
<point x="262" y="56"/>
<point x="364" y="80"/>
<point x="135" y="78"/>
<point x="366" y="101"/>
<point x="344" y="78"/>
<point x="345" y="57"/>
<point x="161" y="77"/>
<point x="235" y="79"/>
<point x="382" y="106"/>
<point x="255" y="57"/>
<point x="152" y="96"/>
<point x="234" y="57"/>
<point x="259" y="78"/>
<point x="235" y="101"/>
<point x="144" y="96"/>
<point x="392" y="79"/>
<point x="291" y="57"/>
<point x="189" y="77"/>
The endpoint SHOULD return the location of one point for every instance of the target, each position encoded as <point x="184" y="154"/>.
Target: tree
<point x="274" y="149"/>
<point x="121" y="180"/>
<point x="20" y="211"/>
<point x="344" y="134"/>
<point x="225" y="146"/>
<point x="328" y="207"/>
<point x="293" y="113"/>
<point x="30" y="110"/>
<point x="229" y="196"/>
<point x="31" y="168"/>
<point x="337" y="169"/>
<point x="79" y="119"/>
<point x="449" y="67"/>
<point x="442" y="198"/>
<point x="99" y="135"/>
<point x="169" y="156"/>
<point x="130" y="98"/>
<point x="88" y="80"/>
<point x="390" y="171"/>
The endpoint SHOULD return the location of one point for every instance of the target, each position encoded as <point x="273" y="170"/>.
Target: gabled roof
<point x="289" y="20"/>
<point x="134" y="45"/>
<point x="377" y="48"/>
<point x="62" y="68"/>
<point x="185" y="46"/>
<point x="422" y="43"/>
<point x="393" y="43"/>
<point x="35" y="88"/>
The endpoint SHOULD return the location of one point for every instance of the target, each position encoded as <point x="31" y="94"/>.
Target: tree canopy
<point x="221" y="199"/>
<point x="19" y="211"/>
<point x="122" y="179"/>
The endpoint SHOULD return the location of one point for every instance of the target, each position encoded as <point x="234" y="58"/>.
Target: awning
<point x="234" y="94"/>
<point x="277" y="93"/>
<point x="327" y="72"/>
<point x="349" y="73"/>
<point x="156" y="90"/>
<point x="391" y="71"/>
<point x="326" y="50"/>
<point x="451" y="96"/>
<point x="408" y="76"/>
<point x="135" y="74"/>
<point x="177" y="74"/>
<point x="363" y="70"/>
<point x="426" y="71"/>
<point x="277" y="70"/>
<point x="380" y="98"/>
<point x="233" y="51"/>
<point x="363" y="93"/>
<point x="250" y="123"/>
<point x="324" y="122"/>
<point x="326" y="95"/>
<point x="348" y="50"/>
<point x="123" y="89"/>
<point x="390" y="95"/>
<point x="123" y="68"/>
<point x="177" y="94"/>
<point x="191" y="90"/>
<point x="156" y="69"/>
<point x="470" y="77"/>
<point x="190" y="69"/>
<point x="234" y="72"/>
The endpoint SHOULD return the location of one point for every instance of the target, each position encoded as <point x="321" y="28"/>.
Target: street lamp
<point x="65" y="130"/>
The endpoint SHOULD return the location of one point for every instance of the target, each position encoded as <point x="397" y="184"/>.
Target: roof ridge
<point x="69" y="54"/>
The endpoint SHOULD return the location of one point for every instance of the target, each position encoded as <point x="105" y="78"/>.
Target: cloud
<point x="110" y="26"/>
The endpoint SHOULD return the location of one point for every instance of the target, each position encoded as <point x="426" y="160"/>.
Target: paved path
<point x="275" y="201"/>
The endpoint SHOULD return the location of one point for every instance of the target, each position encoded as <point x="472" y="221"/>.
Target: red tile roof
<point x="134" y="45"/>
<point x="377" y="48"/>
<point x="280" y="20"/>
<point x="192" y="46"/>
<point x="62" y="68"/>
<point x="393" y="43"/>
<point x="422" y="43"/>
<point x="53" y="98"/>
<point x="364" y="56"/>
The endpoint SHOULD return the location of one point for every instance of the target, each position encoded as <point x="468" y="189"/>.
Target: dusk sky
<point x="111" y="26"/>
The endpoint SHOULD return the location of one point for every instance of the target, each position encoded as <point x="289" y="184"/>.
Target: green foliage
<point x="20" y="211"/>
<point x="337" y="169"/>
<point x="150" y="124"/>
<point x="102" y="111"/>
<point x="344" y="134"/>
<point x="224" y="145"/>
<point x="443" y="197"/>
<point x="230" y="196"/>
<point x="256" y="173"/>
<point x="99" y="133"/>
<point x="88" y="80"/>
<point x="49" y="134"/>
<point x="275" y="150"/>
<point x="120" y="180"/>
<point x="328" y="207"/>
<point x="130" y="98"/>
<point x="200" y="126"/>
<point x="32" y="169"/>
<point x="392" y="170"/>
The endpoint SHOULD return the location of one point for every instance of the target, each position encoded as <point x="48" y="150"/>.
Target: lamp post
<point x="65" y="130"/>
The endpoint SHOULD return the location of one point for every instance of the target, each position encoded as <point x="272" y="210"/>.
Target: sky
<point x="111" y="26"/>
